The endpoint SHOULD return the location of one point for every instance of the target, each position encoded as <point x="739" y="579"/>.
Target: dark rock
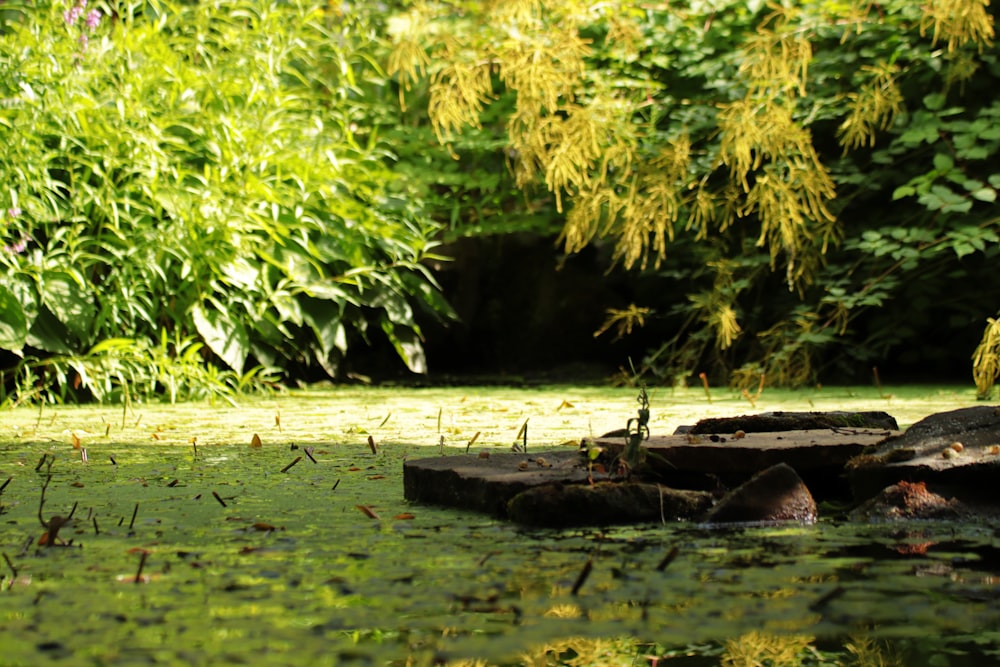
<point x="607" y="503"/>
<point x="773" y="422"/>
<point x="954" y="452"/>
<point x="909" y="500"/>
<point x="775" y="494"/>
<point x="487" y="484"/>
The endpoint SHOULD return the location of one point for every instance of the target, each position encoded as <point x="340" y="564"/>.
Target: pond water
<point x="303" y="551"/>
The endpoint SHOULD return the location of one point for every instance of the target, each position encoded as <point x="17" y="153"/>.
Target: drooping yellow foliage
<point x="958" y="22"/>
<point x="874" y="107"/>
<point x="986" y="359"/>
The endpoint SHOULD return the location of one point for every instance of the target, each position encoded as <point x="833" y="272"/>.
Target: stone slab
<point x="806" y="451"/>
<point x="470" y="482"/>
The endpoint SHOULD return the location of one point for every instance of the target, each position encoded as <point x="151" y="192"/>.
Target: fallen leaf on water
<point x="377" y="477"/>
<point x="255" y="441"/>
<point x="405" y="516"/>
<point x="368" y="511"/>
<point x="264" y="527"/>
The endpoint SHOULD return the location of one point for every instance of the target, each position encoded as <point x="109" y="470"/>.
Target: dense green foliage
<point x="191" y="183"/>
<point x="806" y="184"/>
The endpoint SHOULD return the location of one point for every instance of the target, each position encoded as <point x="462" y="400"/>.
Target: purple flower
<point x="93" y="19"/>
<point x="72" y="14"/>
<point x="16" y="248"/>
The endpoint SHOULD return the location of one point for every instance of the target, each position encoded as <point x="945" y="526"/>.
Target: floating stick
<point x="97" y="531"/>
<point x="41" y="462"/>
<point x="142" y="564"/>
<point x="371" y="445"/>
<point x="113" y="462"/>
<point x="469" y="446"/>
<point x="309" y="453"/>
<point x="219" y="498"/>
<point x="878" y="382"/>
<point x="132" y="522"/>
<point x="336" y="484"/>
<point x="668" y="559"/>
<point x="582" y="577"/>
<point x="289" y="466"/>
<point x="385" y="420"/>
<point x="4" y="485"/>
<point x="704" y="383"/>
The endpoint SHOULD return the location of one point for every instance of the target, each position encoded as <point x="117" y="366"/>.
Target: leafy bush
<point x="786" y="172"/>
<point x="200" y="177"/>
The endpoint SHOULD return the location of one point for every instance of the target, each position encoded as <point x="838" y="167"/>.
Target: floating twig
<point x="336" y="484"/>
<point x="385" y="420"/>
<point x="582" y="577"/>
<point x="289" y="466"/>
<point x="704" y="383"/>
<point x="309" y="453"/>
<point x="827" y="597"/>
<point x="83" y="455"/>
<point x="113" y="462"/>
<point x="72" y="511"/>
<point x="173" y="483"/>
<point x="522" y="435"/>
<point x="219" y="498"/>
<point x="142" y="563"/>
<point x="10" y="565"/>
<point x="878" y="384"/>
<point x="41" y="462"/>
<point x="131" y="523"/>
<point x="471" y="441"/>
<point x="97" y="531"/>
<point x="668" y="559"/>
<point x="4" y="485"/>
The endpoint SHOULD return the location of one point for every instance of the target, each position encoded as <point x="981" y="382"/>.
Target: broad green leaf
<point x="225" y="335"/>
<point x="63" y="294"/>
<point x="985" y="194"/>
<point x="13" y="324"/>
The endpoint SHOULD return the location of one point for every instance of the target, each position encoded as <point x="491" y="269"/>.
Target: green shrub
<point x="199" y="176"/>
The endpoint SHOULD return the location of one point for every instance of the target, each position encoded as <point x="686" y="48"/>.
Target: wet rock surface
<point x="947" y="465"/>
<point x="773" y="422"/>
<point x="772" y="495"/>
<point x="910" y="500"/>
<point x="606" y="503"/>
<point x="956" y="451"/>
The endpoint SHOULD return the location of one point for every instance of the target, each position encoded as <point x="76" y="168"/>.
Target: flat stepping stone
<point x="488" y="483"/>
<point x="810" y="452"/>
